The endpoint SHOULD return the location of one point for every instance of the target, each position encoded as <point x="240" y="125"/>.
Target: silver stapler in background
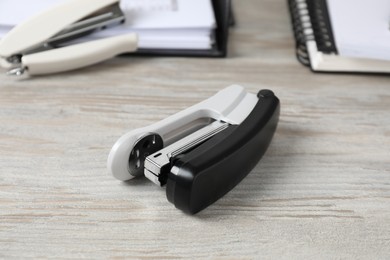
<point x="202" y="152"/>
<point x="38" y="45"/>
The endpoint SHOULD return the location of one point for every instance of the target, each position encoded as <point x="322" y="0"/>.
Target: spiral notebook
<point x="342" y="36"/>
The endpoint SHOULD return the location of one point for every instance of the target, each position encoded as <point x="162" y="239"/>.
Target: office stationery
<point x="224" y="20"/>
<point x="342" y="36"/>
<point x="202" y="152"/>
<point x="34" y="46"/>
<point x="171" y="24"/>
<point x="165" y="27"/>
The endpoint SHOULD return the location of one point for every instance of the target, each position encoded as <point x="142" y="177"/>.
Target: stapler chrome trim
<point x="202" y="152"/>
<point x="38" y="45"/>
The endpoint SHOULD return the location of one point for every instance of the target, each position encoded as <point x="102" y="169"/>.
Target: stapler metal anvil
<point x="202" y="152"/>
<point x="38" y="45"/>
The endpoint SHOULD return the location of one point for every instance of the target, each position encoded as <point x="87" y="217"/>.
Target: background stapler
<point x="37" y="45"/>
<point x="202" y="152"/>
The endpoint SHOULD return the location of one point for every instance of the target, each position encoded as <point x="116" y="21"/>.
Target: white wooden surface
<point x="321" y="191"/>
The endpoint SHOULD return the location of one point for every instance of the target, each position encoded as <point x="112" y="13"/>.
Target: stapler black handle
<point x="203" y="175"/>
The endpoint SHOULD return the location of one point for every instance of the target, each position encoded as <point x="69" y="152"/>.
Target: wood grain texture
<point x="321" y="191"/>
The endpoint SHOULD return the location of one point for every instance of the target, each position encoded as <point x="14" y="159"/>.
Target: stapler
<point x="202" y="152"/>
<point x="38" y="45"/>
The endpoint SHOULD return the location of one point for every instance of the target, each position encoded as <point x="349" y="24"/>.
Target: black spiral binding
<point x="310" y="21"/>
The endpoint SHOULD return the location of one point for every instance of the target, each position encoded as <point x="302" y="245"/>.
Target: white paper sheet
<point x="361" y="27"/>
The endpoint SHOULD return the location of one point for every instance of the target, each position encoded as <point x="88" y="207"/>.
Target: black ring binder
<point x="310" y="21"/>
<point x="224" y="17"/>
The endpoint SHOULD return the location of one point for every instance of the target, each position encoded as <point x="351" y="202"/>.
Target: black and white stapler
<point x="202" y="152"/>
<point x="38" y="45"/>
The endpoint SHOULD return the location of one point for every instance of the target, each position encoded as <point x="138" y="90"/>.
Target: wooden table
<point x="321" y="191"/>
